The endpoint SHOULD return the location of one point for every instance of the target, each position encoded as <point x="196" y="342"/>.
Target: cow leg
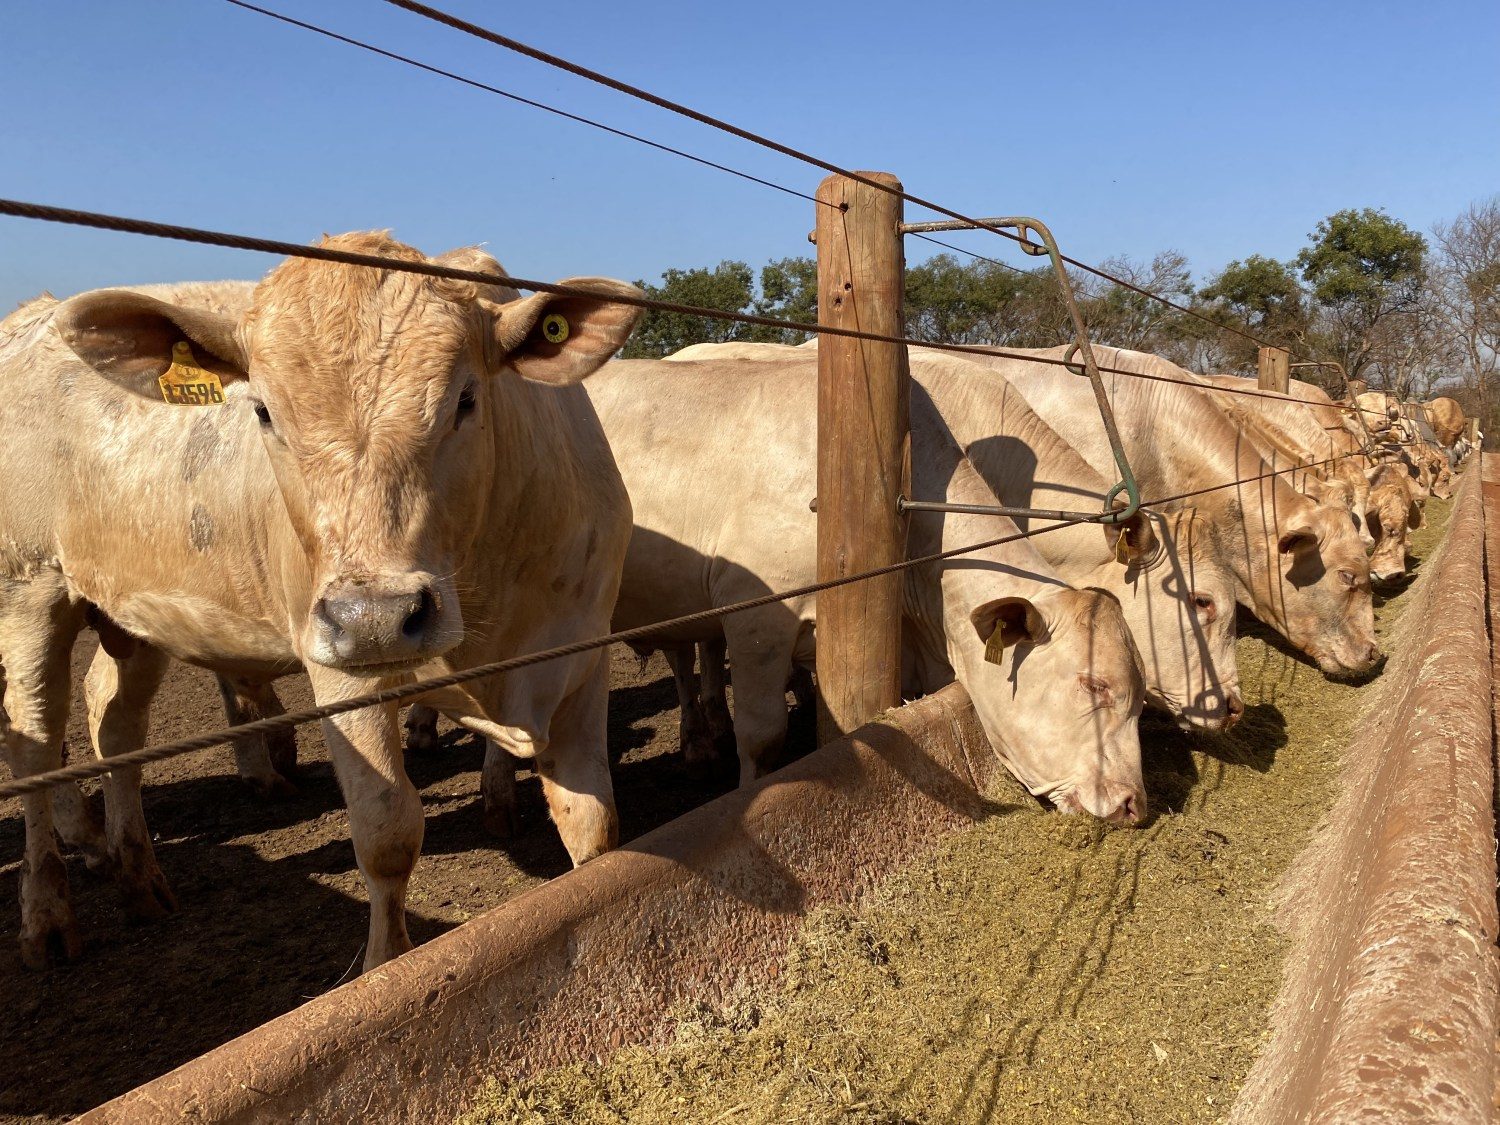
<point x="498" y="786"/>
<point x="760" y="646"/>
<point x="421" y="729"/>
<point x="119" y="692"/>
<point x="385" y="813"/>
<point x="575" y="771"/>
<point x="692" y="728"/>
<point x="37" y="627"/>
<point x="715" y="698"/>
<point x="264" y="762"/>
<point x="79" y="824"/>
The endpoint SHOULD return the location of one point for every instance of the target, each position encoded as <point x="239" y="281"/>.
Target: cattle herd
<point x="374" y="476"/>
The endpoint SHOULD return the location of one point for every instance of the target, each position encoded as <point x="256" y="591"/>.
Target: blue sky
<point x="1215" y="129"/>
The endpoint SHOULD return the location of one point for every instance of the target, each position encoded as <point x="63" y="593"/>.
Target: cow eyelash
<point x="466" y="404"/>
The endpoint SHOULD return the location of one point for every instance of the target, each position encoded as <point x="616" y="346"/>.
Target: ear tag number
<point x="994" y="649"/>
<point x="555" y="328"/>
<point x="186" y="384"/>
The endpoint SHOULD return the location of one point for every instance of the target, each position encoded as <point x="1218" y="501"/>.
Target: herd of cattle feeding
<point x="373" y="475"/>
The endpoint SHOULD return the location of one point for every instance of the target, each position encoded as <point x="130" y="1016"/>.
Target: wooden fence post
<point x="1275" y="370"/>
<point x="863" y="414"/>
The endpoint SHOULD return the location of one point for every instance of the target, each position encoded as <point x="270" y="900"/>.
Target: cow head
<point x="1059" y="692"/>
<point x="392" y="410"/>
<point x="1178" y="600"/>
<point x="1392" y="512"/>
<point x="1323" y="597"/>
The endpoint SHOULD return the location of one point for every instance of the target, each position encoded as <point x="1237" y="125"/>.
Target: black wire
<point x="476" y="84"/>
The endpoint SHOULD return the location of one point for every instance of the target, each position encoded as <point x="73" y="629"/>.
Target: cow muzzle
<point x="1109" y="801"/>
<point x="358" y="624"/>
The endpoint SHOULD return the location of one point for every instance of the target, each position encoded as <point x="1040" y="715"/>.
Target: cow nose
<point x="366" y="625"/>
<point x="1130" y="810"/>
<point x="1236" y="707"/>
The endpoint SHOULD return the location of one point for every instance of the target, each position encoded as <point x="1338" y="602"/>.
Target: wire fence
<point x="42" y="212"/>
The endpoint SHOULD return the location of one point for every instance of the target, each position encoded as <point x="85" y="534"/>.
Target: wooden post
<point x="1275" y="370"/>
<point x="863" y="411"/>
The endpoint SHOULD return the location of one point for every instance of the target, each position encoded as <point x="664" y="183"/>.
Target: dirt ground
<point x="1035" y="968"/>
<point x="272" y="910"/>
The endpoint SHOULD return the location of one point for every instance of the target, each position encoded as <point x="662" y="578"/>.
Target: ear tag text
<point x="186" y="384"/>
<point x="555" y="328"/>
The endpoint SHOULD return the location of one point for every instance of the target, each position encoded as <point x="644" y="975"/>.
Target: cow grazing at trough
<point x="1394" y="511"/>
<point x="1297" y="564"/>
<point x="1174" y="589"/>
<point x="1447" y="420"/>
<point x="382" y="475"/>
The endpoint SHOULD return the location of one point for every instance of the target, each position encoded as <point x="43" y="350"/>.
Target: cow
<point x="1446" y="418"/>
<point x="1393" y="512"/>
<point x="1298" y="565"/>
<point x="367" y="473"/>
<point x="752" y="429"/>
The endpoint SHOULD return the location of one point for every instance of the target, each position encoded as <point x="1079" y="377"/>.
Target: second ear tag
<point x="994" y="648"/>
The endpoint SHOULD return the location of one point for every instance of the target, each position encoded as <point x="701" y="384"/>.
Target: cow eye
<point x="262" y="415"/>
<point x="1347" y="577"/>
<point x="466" y="403"/>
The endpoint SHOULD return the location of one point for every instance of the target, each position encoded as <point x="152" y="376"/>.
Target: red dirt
<point x="272" y="907"/>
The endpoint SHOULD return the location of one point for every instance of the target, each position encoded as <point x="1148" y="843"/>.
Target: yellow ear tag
<point x="187" y="384"/>
<point x="555" y="328"/>
<point x="994" y="649"/>
<point x="1122" y="548"/>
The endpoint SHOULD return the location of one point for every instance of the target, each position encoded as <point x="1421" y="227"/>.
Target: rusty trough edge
<point x="598" y="957"/>
<point x="1388" y="1007"/>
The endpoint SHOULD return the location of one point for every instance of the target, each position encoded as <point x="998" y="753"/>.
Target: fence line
<point x="73" y="217"/>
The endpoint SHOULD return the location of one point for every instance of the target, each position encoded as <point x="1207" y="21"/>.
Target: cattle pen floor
<point x="272" y="909"/>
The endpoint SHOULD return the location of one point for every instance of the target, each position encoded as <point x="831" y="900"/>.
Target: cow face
<point x="1324" y="590"/>
<point x="1392" y="512"/>
<point x="392" y="410"/>
<point x="1178" y="600"/>
<point x="1060" y="693"/>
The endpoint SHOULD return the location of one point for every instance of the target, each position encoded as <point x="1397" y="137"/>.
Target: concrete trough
<point x="1387" y="1011"/>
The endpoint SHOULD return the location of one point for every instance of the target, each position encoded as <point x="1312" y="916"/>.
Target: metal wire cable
<point x="487" y="88"/>
<point x="449" y="20"/>
<point x="73" y="217"/>
<point x="81" y="771"/>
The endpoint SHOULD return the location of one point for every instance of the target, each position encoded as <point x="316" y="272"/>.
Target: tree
<point x="1465" y="287"/>
<point x="1364" y="267"/>
<point x="789" y="291"/>
<point x="727" y="287"/>
<point x="1261" y="296"/>
<point x="953" y="302"/>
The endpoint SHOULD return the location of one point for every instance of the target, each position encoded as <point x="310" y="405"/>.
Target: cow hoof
<point x="500" y="822"/>
<point x="51" y="940"/>
<point x="271" y="788"/>
<point x="149" y="901"/>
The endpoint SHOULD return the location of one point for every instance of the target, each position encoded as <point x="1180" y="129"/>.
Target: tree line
<point x="1412" y="313"/>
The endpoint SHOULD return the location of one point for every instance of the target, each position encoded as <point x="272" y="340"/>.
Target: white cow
<point x="394" y="480"/>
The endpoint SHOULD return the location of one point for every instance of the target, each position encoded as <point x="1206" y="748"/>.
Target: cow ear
<point x="1133" y="540"/>
<point x="1005" y="622"/>
<point x="1414" y="513"/>
<point x="560" y="340"/>
<point x="129" y="338"/>
<point x="1300" y="538"/>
